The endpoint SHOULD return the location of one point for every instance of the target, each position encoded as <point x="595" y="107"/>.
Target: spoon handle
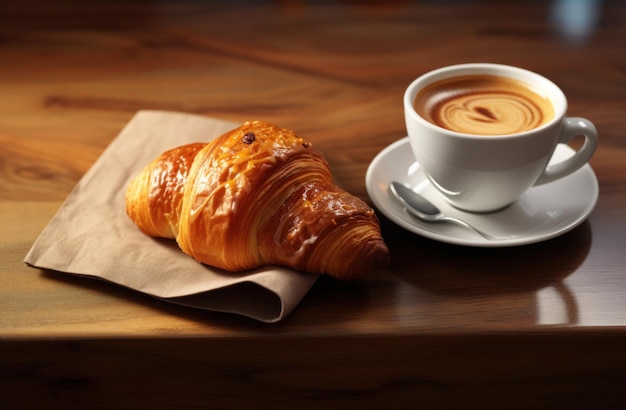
<point x="468" y="226"/>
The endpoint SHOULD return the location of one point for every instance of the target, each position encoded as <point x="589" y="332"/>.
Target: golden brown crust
<point x="258" y="195"/>
<point x="154" y="197"/>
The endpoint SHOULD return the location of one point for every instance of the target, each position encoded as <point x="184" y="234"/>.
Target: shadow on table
<point x="488" y="280"/>
<point x="423" y="265"/>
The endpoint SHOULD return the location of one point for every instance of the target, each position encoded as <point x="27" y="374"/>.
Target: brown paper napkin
<point x="92" y="235"/>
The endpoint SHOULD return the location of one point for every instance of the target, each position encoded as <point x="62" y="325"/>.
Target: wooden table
<point x="543" y="324"/>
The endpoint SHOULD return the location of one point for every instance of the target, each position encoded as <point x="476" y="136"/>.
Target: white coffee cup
<point x="483" y="173"/>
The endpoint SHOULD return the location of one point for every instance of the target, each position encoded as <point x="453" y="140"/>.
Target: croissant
<point x="258" y="195"/>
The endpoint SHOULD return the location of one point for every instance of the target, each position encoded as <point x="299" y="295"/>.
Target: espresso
<point x="483" y="105"/>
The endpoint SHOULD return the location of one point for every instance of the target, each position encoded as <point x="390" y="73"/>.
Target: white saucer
<point x="541" y="213"/>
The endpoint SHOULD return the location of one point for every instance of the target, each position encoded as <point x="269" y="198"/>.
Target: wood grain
<point x="540" y="325"/>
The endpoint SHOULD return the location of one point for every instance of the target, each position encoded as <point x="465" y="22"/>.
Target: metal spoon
<point x="422" y="208"/>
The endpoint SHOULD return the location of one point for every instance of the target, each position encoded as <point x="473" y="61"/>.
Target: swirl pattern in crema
<point x="483" y="105"/>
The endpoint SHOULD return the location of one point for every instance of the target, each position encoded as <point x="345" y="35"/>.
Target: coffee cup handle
<point x="572" y="127"/>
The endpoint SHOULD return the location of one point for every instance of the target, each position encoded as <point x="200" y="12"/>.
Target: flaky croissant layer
<point x="258" y="195"/>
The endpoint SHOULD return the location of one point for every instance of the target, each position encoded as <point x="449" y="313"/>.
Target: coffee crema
<point x="483" y="105"/>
